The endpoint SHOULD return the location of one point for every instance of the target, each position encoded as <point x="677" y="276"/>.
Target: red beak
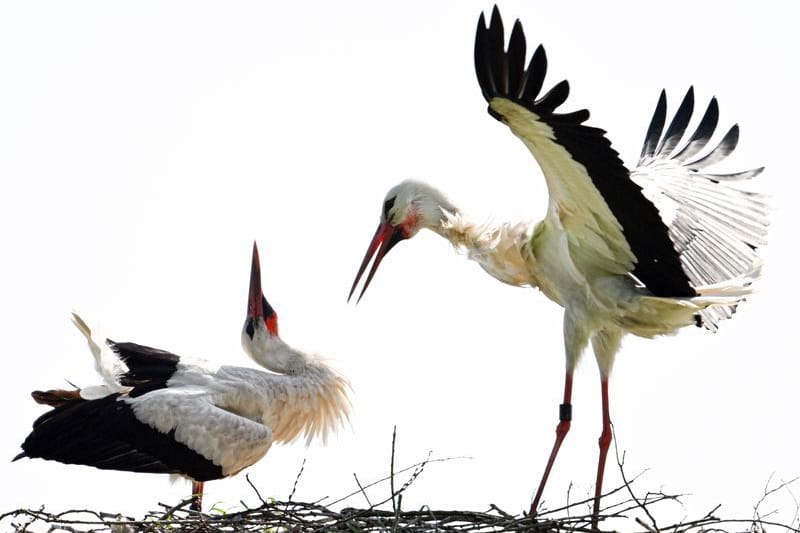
<point x="386" y="237"/>
<point x="257" y="304"/>
<point x="255" y="307"/>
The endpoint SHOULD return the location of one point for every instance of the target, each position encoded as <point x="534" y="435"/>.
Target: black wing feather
<point x="723" y="150"/>
<point x="702" y="134"/>
<point x="535" y="74"/>
<point x="653" y="134"/>
<point x="678" y="125"/>
<point x="106" y="434"/>
<point x="482" y="65"/>
<point x="554" y="98"/>
<point x="516" y="59"/>
<point x="498" y="63"/>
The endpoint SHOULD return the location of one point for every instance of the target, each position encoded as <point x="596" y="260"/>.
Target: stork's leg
<point x="604" y="442"/>
<point x="565" y="417"/>
<point x="575" y="338"/>
<point x="197" y="496"/>
<point x="606" y="344"/>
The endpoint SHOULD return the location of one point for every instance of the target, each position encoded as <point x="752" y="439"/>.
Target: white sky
<point x="144" y="146"/>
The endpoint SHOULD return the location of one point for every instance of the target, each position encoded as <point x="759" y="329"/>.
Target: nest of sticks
<point x="289" y="516"/>
<point x="622" y="507"/>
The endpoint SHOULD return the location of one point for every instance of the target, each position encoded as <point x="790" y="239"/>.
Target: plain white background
<point x="143" y="147"/>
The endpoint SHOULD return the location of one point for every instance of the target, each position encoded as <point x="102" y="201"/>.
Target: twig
<point x="369" y="503"/>
<point x="493" y="507"/>
<point x="587" y="500"/>
<point x="620" y="463"/>
<point x="406" y="469"/>
<point x="258" y="494"/>
<point x="391" y="470"/>
<point x="569" y="490"/>
<point x="297" y="478"/>
<point x="757" y="517"/>
<point x="170" y="512"/>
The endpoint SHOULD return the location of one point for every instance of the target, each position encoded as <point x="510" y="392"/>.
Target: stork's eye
<point x="250" y="328"/>
<point x="387" y="206"/>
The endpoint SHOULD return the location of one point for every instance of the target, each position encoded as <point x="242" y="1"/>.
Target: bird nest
<point x="298" y="517"/>
<point x="622" y="508"/>
<point x="289" y="516"/>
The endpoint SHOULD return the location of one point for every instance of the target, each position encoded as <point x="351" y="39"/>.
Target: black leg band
<point x="565" y="412"/>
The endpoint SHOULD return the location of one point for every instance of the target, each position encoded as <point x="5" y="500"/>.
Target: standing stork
<point x="157" y="412"/>
<point x="645" y="252"/>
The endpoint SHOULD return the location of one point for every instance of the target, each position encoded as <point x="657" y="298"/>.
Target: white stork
<point x="646" y="252"/>
<point x="160" y="413"/>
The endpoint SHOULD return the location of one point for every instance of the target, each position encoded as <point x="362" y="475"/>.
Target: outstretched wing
<point x="716" y="226"/>
<point x="609" y="223"/>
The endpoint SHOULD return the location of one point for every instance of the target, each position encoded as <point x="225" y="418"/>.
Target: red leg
<point x="604" y="442"/>
<point x="565" y="416"/>
<point x="197" y="496"/>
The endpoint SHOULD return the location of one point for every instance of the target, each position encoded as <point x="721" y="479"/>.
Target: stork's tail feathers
<point x="721" y="299"/>
<point x="740" y="286"/>
<point x="87" y="332"/>
<point x="106" y="361"/>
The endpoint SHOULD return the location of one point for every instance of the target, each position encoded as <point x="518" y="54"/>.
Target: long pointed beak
<point x="255" y="306"/>
<point x="386" y="237"/>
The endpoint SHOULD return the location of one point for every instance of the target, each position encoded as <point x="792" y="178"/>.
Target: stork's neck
<point x="501" y="249"/>
<point x="462" y="232"/>
<point x="274" y="354"/>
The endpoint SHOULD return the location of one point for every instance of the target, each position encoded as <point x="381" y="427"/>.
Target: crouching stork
<point x="157" y="412"/>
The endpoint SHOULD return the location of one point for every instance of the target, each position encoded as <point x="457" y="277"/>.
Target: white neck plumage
<point x="442" y="217"/>
<point x="273" y="354"/>
<point x="497" y="248"/>
<point x="315" y="395"/>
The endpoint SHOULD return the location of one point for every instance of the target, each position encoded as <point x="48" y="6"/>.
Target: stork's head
<point x="408" y="207"/>
<point x="260" y="338"/>
<point x="261" y="324"/>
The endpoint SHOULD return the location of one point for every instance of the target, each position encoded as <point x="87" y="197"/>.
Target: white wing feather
<point x="227" y="439"/>
<point x="716" y="226"/>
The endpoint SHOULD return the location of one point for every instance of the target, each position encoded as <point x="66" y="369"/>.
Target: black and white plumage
<point x="716" y="228"/>
<point x="646" y="252"/>
<point x="160" y="413"/>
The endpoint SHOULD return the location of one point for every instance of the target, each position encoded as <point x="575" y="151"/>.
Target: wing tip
<point x="665" y="144"/>
<point x="655" y="128"/>
<point x="502" y="72"/>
